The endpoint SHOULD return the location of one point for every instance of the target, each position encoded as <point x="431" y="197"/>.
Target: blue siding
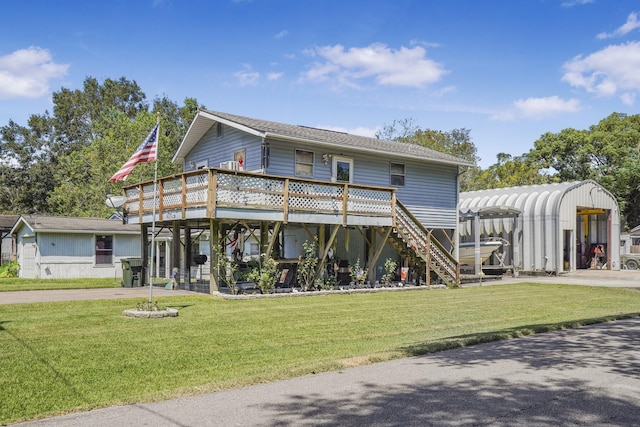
<point x="216" y="150"/>
<point x="430" y="189"/>
<point x="432" y="186"/>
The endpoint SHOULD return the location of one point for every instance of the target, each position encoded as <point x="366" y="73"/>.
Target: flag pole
<point x="153" y="217"/>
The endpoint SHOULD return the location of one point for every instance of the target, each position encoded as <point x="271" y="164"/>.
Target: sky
<point x="508" y="71"/>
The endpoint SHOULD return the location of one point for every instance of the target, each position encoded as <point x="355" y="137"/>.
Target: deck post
<point x="214" y="240"/>
<point x="144" y="231"/>
<point x="188" y="256"/>
<point x="175" y="248"/>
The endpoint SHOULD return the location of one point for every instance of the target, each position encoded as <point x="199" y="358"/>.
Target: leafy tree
<point x="456" y="142"/>
<point x="60" y="163"/>
<point x="608" y="153"/>
<point x="510" y="171"/>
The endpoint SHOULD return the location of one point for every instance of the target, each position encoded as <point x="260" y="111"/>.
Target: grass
<point x="70" y="356"/>
<point x="17" y="284"/>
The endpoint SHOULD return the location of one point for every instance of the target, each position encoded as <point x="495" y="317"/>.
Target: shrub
<point x="307" y="266"/>
<point x="9" y="270"/>
<point x="265" y="275"/>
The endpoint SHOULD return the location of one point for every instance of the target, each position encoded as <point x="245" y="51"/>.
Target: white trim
<point x="334" y="168"/>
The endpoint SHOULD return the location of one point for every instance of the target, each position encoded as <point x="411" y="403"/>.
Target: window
<point x="218" y="130"/>
<point x="104" y="250"/>
<point x="342" y="169"/>
<point x="396" y="171"/>
<point x="304" y="162"/>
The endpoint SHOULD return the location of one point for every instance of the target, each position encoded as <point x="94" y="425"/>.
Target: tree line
<point x="60" y="162"/>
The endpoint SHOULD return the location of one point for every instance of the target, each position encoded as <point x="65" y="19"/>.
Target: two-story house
<point x="278" y="185"/>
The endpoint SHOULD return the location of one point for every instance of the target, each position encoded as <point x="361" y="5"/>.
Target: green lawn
<point x="61" y="357"/>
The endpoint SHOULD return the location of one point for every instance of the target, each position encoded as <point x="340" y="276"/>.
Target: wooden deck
<point x="224" y="194"/>
<point x="221" y="195"/>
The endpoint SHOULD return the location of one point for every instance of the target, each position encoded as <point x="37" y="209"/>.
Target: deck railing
<point x="208" y="190"/>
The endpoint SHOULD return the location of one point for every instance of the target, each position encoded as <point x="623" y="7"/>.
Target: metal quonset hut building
<point x="557" y="228"/>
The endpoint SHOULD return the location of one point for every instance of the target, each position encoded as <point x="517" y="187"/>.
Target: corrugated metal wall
<point x="549" y="214"/>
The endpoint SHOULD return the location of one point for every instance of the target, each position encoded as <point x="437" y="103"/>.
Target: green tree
<point x="509" y="171"/>
<point x="608" y="152"/>
<point x="456" y="142"/>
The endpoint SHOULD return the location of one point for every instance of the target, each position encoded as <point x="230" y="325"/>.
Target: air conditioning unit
<point x="231" y="165"/>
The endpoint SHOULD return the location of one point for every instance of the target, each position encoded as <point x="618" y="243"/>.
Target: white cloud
<point x="571" y="3"/>
<point x="538" y="108"/>
<point x="362" y="131"/>
<point x="282" y="34"/>
<point x="608" y="72"/>
<point x="26" y="73"/>
<point x="274" y="76"/>
<point x="631" y="24"/>
<point x="346" y="67"/>
<point x="247" y="77"/>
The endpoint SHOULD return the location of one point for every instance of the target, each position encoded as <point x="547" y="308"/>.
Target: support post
<point x="214" y="240"/>
<point x="144" y="231"/>
<point x="175" y="249"/>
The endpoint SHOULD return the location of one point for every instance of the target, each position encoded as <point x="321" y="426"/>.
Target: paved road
<point x="587" y="376"/>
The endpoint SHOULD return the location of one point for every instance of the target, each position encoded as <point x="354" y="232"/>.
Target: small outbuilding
<point x="69" y="248"/>
<point x="558" y="227"/>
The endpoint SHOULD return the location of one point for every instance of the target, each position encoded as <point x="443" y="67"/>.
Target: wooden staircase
<point x="426" y="247"/>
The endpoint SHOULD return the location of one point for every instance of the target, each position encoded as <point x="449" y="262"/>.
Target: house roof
<point x="204" y="120"/>
<point x="59" y="224"/>
<point x="8" y="221"/>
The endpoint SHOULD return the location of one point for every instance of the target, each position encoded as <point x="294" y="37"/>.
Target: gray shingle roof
<point x="76" y="225"/>
<point x="275" y="130"/>
<point x="7" y="221"/>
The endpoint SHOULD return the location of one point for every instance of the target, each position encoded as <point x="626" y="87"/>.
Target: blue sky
<point x="507" y="70"/>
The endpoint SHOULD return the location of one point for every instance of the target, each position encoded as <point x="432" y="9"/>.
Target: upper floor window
<point x="304" y="162"/>
<point x="396" y="174"/>
<point x="342" y="169"/>
<point x="104" y="250"/>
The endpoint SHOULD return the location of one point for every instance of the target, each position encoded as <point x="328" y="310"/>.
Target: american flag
<point x="146" y="152"/>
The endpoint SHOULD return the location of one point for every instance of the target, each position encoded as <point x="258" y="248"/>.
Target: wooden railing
<point x="421" y="241"/>
<point x="207" y="191"/>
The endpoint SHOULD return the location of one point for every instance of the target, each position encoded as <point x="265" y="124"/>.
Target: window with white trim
<point x="342" y="170"/>
<point x="396" y="174"/>
<point x="304" y="162"/>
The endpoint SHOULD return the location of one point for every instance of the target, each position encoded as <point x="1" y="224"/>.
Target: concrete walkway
<point x="587" y="376"/>
<point x="27" y="297"/>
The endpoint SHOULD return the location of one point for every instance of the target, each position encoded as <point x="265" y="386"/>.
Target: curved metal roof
<point x="536" y="202"/>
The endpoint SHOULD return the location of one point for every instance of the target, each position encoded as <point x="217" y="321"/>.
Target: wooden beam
<point x="274" y="236"/>
<point x="214" y="240"/>
<point x="323" y="259"/>
<point x="212" y="194"/>
<point x="144" y="232"/>
<point x="378" y="252"/>
<point x="285" y="200"/>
